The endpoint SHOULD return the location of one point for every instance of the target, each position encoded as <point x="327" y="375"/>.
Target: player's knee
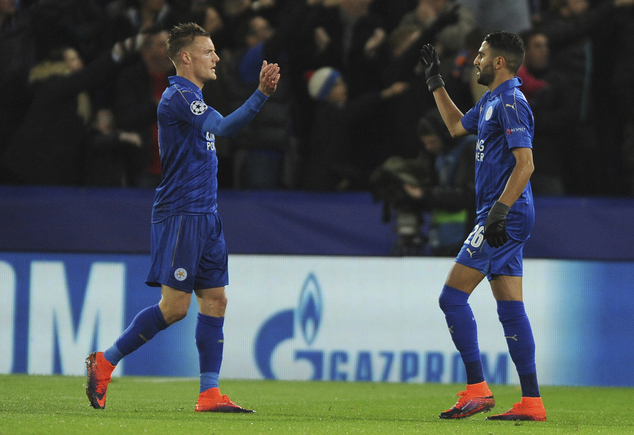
<point x="450" y="299"/>
<point x="175" y="313"/>
<point x="442" y="301"/>
<point x="220" y="303"/>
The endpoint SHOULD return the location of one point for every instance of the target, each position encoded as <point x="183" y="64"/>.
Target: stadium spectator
<point x="210" y="18"/>
<point x="513" y="16"/>
<point x="400" y="116"/>
<point x="392" y="11"/>
<point x="551" y="99"/>
<point x="17" y="55"/>
<point x="450" y="196"/>
<point x="48" y="147"/>
<point x="265" y="151"/>
<point x="330" y="163"/>
<point x="352" y="40"/>
<point x="457" y="21"/>
<point x="189" y="254"/>
<point x="347" y="38"/>
<point x="113" y="157"/>
<point x="462" y="83"/>
<point x="7" y="13"/>
<point x="128" y="17"/>
<point x="138" y="92"/>
<point x="579" y="37"/>
<point x="28" y="34"/>
<point x="503" y="121"/>
<point x="365" y="41"/>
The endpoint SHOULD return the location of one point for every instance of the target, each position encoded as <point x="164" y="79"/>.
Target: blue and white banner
<point x="321" y="318"/>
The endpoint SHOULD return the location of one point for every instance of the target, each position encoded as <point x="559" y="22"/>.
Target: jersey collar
<point x="182" y="81"/>
<point x="512" y="83"/>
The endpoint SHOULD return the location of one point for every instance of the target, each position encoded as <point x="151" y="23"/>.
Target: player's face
<point x="484" y="65"/>
<point x="204" y="59"/>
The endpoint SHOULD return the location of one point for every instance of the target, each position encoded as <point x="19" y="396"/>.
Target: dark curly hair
<point x="509" y="46"/>
<point x="181" y="36"/>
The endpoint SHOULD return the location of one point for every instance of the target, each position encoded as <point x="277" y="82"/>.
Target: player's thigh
<point x="464" y="278"/>
<point x="213" y="268"/>
<point x="177" y="246"/>
<point x="507" y="269"/>
<point x="506" y="288"/>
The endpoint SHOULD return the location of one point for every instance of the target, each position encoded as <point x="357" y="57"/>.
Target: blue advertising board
<point x="314" y="317"/>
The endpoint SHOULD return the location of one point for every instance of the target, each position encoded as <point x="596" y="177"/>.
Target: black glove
<point x="429" y="59"/>
<point x="495" y="225"/>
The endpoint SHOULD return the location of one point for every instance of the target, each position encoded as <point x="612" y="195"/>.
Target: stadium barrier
<point x="341" y="318"/>
<point x="320" y="301"/>
<point x="93" y="220"/>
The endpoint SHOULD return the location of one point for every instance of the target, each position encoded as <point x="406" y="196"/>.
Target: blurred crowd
<point x="78" y="95"/>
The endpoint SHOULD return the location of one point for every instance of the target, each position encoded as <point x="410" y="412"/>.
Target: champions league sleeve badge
<point x="198" y="107"/>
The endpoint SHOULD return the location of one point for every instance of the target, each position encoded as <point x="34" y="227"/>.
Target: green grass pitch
<point x="142" y="405"/>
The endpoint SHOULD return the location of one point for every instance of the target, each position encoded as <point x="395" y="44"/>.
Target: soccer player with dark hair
<point x="503" y="122"/>
<point x="189" y="254"/>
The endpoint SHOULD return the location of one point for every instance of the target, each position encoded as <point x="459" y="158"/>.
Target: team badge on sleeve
<point x="198" y="107"/>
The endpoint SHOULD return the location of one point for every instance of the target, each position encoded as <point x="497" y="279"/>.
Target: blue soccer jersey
<point x="187" y="146"/>
<point x="502" y="120"/>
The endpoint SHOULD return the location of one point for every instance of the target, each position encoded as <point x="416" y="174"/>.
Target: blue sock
<point x="208" y="380"/>
<point x="210" y="344"/>
<point x="463" y="329"/>
<point x="519" y="337"/>
<point x="145" y="325"/>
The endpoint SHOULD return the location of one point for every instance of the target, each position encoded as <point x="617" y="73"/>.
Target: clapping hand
<point x="269" y="77"/>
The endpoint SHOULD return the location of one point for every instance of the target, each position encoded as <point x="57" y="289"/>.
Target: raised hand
<point x="429" y="59"/>
<point x="269" y="77"/>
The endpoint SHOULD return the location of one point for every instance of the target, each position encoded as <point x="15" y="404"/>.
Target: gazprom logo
<point x="282" y="326"/>
<point x="309" y="310"/>
<point x="287" y="341"/>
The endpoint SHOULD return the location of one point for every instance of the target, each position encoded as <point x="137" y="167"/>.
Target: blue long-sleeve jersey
<point x="503" y="120"/>
<point x="187" y="145"/>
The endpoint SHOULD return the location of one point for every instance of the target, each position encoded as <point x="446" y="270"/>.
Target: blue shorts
<point x="189" y="253"/>
<point x="478" y="254"/>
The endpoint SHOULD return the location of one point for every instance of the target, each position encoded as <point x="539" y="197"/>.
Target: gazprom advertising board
<point x="318" y="318"/>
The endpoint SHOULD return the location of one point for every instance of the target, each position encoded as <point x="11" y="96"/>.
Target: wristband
<point x="499" y="211"/>
<point x="435" y="82"/>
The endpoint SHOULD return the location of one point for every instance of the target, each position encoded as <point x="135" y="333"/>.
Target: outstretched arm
<point x="447" y="108"/>
<point x="449" y="112"/>
<point x="231" y="125"/>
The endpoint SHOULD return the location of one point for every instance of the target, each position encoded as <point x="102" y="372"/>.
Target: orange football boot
<point x="529" y="409"/>
<point x="212" y="401"/>
<point x="99" y="370"/>
<point x="477" y="398"/>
